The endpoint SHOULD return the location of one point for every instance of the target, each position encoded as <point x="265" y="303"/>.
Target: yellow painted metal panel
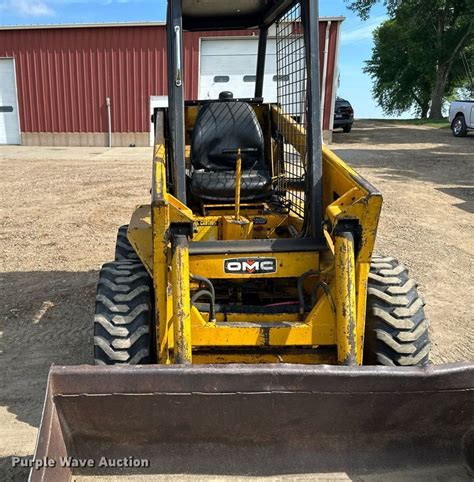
<point x="256" y="317"/>
<point x="140" y="235"/>
<point x="160" y="217"/>
<point x="240" y="228"/>
<point x="206" y="233"/>
<point x="289" y="265"/>
<point x="160" y="223"/>
<point x="270" y="331"/>
<point x="251" y="358"/>
<point x="182" y="352"/>
<point x="346" y="308"/>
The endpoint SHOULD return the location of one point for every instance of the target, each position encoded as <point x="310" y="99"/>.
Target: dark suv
<point x="343" y="115"/>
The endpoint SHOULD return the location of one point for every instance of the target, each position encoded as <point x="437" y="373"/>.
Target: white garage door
<point x="9" y="126"/>
<point x="230" y="64"/>
<point x="156" y="101"/>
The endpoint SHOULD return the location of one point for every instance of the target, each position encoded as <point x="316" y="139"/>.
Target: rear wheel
<point x="347" y="128"/>
<point x="123" y="315"/>
<point x="459" y="126"/>
<point x="396" y="328"/>
<point x="123" y="249"/>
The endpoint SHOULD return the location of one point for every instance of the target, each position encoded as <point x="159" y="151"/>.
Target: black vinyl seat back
<point x="226" y="126"/>
<point x="220" y="129"/>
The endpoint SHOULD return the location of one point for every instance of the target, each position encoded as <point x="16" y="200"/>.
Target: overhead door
<point x="231" y="64"/>
<point x="9" y="125"/>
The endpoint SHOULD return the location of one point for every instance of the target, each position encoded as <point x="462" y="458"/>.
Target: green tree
<point x="440" y="30"/>
<point x="398" y="71"/>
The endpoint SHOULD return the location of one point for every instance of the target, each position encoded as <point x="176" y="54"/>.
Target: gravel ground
<point x="427" y="180"/>
<point x="61" y="208"/>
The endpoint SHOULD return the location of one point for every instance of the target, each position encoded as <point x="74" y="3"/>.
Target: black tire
<point x="123" y="248"/>
<point x="459" y="126"/>
<point x="347" y="128"/>
<point x="123" y="315"/>
<point x="396" y="328"/>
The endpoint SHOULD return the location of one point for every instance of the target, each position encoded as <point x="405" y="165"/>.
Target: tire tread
<point x="396" y="325"/>
<point x="123" y="248"/>
<point x="123" y="314"/>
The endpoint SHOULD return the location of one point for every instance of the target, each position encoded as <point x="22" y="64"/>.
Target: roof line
<point x="81" y="25"/>
<point x="113" y="24"/>
<point x="339" y="18"/>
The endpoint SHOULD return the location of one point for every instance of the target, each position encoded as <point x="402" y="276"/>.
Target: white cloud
<point x="362" y="32"/>
<point x="27" y="8"/>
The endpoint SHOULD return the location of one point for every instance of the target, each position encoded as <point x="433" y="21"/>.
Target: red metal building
<point x="64" y="73"/>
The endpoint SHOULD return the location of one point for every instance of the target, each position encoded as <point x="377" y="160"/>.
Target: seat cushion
<point x="227" y="126"/>
<point x="220" y="185"/>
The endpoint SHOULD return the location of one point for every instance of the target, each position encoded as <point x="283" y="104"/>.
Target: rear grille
<point x="344" y="110"/>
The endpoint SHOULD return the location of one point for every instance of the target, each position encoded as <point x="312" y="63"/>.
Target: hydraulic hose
<point x="212" y="310"/>
<point x="301" y="281"/>
<point x="325" y="287"/>
<point x="207" y="282"/>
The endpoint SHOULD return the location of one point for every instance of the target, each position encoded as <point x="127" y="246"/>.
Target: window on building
<point x="250" y="78"/>
<point x="281" y="78"/>
<point x="221" y="79"/>
<point x="6" y="108"/>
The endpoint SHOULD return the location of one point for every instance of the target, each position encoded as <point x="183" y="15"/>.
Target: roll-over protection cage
<point x="298" y="90"/>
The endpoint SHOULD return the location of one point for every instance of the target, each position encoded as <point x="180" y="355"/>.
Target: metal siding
<point x="65" y="74"/>
<point x="332" y="64"/>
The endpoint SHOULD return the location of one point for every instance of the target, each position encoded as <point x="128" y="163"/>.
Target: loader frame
<point x="336" y="320"/>
<point x="330" y="256"/>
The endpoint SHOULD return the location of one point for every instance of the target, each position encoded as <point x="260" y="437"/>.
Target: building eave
<point x="81" y="25"/>
<point x="113" y="24"/>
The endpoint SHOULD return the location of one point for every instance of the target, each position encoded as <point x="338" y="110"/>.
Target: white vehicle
<point x="461" y="117"/>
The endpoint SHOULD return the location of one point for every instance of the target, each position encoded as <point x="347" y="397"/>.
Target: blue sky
<point x="356" y="42"/>
<point x="356" y="47"/>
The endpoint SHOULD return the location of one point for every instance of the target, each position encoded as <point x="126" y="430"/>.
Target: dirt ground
<point x="61" y="208"/>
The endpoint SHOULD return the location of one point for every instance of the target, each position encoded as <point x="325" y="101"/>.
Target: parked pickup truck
<point x="461" y="117"/>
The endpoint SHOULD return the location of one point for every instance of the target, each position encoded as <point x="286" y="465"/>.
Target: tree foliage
<point x="397" y="70"/>
<point x="417" y="57"/>
<point x="363" y="7"/>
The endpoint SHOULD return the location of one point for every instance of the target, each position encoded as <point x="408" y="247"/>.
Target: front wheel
<point x="123" y="249"/>
<point x="347" y="128"/>
<point x="396" y="332"/>
<point x="459" y="126"/>
<point x="123" y="325"/>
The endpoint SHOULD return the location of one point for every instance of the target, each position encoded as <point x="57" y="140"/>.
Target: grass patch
<point x="438" y="124"/>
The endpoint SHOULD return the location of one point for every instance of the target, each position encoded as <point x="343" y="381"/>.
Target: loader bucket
<point x="260" y="420"/>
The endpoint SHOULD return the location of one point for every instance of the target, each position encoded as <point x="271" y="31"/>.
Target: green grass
<point x="438" y="124"/>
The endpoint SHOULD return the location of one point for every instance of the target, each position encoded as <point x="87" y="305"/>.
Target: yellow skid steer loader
<point x="246" y="326"/>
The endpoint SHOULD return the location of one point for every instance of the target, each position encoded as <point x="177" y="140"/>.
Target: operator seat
<point x="221" y="128"/>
